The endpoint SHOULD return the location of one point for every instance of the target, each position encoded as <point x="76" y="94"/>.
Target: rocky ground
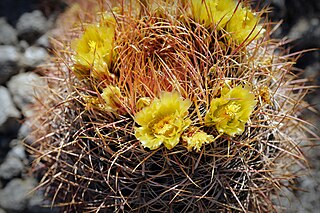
<point x="25" y="28"/>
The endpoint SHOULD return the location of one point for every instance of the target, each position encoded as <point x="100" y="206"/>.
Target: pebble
<point x="44" y="41"/>
<point x="306" y="32"/>
<point x="9" y="62"/>
<point x="24" y="87"/>
<point x="8" y="35"/>
<point x="299" y="29"/>
<point x="16" y="195"/>
<point x="31" y="26"/>
<point x="18" y="151"/>
<point x="11" y="167"/>
<point x="25" y="133"/>
<point x="23" y="45"/>
<point x="9" y="115"/>
<point x="34" y="56"/>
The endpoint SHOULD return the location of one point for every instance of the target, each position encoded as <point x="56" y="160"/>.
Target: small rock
<point x="306" y="32"/>
<point x="18" y="152"/>
<point x="299" y="29"/>
<point x="24" y="130"/>
<point x="14" y="142"/>
<point x="9" y="115"/>
<point x="8" y="35"/>
<point x="315" y="29"/>
<point x="43" y="41"/>
<point x="25" y="133"/>
<point x="31" y="26"/>
<point x="11" y="167"/>
<point x="24" y="87"/>
<point x="34" y="56"/>
<point x="23" y="45"/>
<point x="9" y="62"/>
<point x="16" y="195"/>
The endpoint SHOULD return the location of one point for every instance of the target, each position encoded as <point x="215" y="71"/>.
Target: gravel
<point x="34" y="56"/>
<point x="8" y="35"/>
<point x="18" y="151"/>
<point x="24" y="133"/>
<point x="24" y="87"/>
<point x="24" y="38"/>
<point x="9" y="115"/>
<point x="44" y="41"/>
<point x="31" y="26"/>
<point x="16" y="195"/>
<point x="9" y="62"/>
<point x="10" y="168"/>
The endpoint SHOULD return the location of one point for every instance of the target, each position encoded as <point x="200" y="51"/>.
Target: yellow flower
<point x="163" y="121"/>
<point x="244" y="24"/>
<point x="111" y="96"/>
<point x="196" y="138"/>
<point x="143" y="102"/>
<point x="211" y="12"/>
<point x="231" y="111"/>
<point x="91" y="102"/>
<point x="94" y="51"/>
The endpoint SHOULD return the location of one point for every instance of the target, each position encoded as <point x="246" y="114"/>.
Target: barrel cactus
<point x="168" y="106"/>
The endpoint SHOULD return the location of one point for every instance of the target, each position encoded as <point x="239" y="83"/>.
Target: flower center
<point x="232" y="109"/>
<point x="92" y="45"/>
<point x="164" y="126"/>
